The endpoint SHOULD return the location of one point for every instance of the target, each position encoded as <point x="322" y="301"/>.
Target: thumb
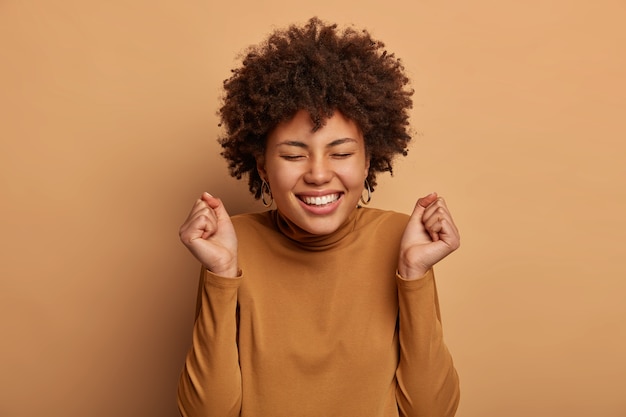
<point x="217" y="206"/>
<point x="424" y="202"/>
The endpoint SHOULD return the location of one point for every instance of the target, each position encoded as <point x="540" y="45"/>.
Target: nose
<point x="319" y="171"/>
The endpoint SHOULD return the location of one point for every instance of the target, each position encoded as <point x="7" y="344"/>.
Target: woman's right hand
<point x="210" y="236"/>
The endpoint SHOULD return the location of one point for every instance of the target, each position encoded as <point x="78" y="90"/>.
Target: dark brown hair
<point x="320" y="69"/>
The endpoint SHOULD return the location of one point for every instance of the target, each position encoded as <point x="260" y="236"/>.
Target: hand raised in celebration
<point x="209" y="235"/>
<point x="430" y="236"/>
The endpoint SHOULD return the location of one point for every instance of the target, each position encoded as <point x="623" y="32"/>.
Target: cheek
<point x="281" y="178"/>
<point x="353" y="178"/>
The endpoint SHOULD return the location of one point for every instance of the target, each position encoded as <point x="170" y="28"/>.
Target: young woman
<point x="319" y="307"/>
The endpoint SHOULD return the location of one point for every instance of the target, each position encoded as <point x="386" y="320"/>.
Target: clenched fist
<point x="209" y="235"/>
<point x="430" y="236"/>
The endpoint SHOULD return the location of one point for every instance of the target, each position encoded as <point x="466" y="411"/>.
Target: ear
<point x="367" y="165"/>
<point x="260" y="166"/>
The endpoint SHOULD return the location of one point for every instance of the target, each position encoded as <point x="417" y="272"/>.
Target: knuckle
<point x="204" y="217"/>
<point x="184" y="237"/>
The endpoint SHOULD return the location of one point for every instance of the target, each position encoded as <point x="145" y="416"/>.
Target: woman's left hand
<point x="430" y="236"/>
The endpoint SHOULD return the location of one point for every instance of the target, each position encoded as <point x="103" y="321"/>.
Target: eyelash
<point x="342" y="155"/>
<point x="292" y="157"/>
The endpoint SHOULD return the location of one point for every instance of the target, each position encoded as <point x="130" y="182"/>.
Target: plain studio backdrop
<point x="108" y="134"/>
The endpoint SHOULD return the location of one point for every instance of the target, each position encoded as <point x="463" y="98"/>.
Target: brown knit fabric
<point x="318" y="326"/>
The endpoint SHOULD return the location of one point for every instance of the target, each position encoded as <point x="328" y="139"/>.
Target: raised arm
<point x="210" y="383"/>
<point x="428" y="385"/>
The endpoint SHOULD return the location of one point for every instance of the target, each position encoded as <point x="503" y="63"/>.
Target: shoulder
<point x="377" y="220"/>
<point x="377" y="216"/>
<point x="252" y="222"/>
<point x="254" y="231"/>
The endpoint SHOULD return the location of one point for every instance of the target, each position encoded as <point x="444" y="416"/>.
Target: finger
<point x="435" y="213"/>
<point x="202" y="222"/>
<point x="437" y="203"/>
<point x="203" y="226"/>
<point x="433" y="231"/>
<point x="196" y="206"/>
<point x="199" y="205"/>
<point x="427" y="200"/>
<point x="433" y="221"/>
<point x="433" y="217"/>
<point x="203" y="215"/>
<point x="210" y="228"/>
<point x="206" y="200"/>
<point x="441" y="228"/>
<point x="217" y="212"/>
<point x="421" y="204"/>
<point x="439" y="208"/>
<point x="206" y="225"/>
<point x="449" y="234"/>
<point x="218" y="207"/>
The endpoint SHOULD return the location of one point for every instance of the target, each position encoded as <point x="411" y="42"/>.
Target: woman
<point x="319" y="307"/>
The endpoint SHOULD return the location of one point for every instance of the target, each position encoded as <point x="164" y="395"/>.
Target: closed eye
<point x="292" y="157"/>
<point x="342" y="155"/>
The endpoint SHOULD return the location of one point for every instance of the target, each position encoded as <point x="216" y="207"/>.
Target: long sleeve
<point x="210" y="383"/>
<point x="428" y="385"/>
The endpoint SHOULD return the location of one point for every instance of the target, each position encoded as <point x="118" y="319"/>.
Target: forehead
<point x="301" y="128"/>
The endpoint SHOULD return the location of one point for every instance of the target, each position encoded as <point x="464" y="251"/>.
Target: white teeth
<point x="320" y="201"/>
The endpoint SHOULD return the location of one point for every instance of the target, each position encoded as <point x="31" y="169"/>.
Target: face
<point x="317" y="177"/>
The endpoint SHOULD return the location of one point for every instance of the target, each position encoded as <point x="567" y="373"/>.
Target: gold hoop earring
<point x="369" y="194"/>
<point x="265" y="190"/>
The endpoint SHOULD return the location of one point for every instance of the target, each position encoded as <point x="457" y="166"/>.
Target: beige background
<point x="108" y="127"/>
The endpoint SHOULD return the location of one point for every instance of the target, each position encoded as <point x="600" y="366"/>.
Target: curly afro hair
<point x="320" y="69"/>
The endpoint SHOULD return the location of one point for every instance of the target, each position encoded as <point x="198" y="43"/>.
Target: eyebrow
<point x="299" y="144"/>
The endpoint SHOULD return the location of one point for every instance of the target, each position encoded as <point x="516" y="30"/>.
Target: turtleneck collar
<point x="310" y="241"/>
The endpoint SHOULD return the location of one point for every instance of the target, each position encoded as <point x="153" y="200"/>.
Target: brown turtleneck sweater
<point x="318" y="326"/>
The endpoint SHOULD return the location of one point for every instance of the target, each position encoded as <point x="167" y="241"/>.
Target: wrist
<point x="412" y="273"/>
<point x="226" y="271"/>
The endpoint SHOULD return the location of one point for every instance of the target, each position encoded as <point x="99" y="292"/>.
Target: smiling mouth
<point x="319" y="201"/>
